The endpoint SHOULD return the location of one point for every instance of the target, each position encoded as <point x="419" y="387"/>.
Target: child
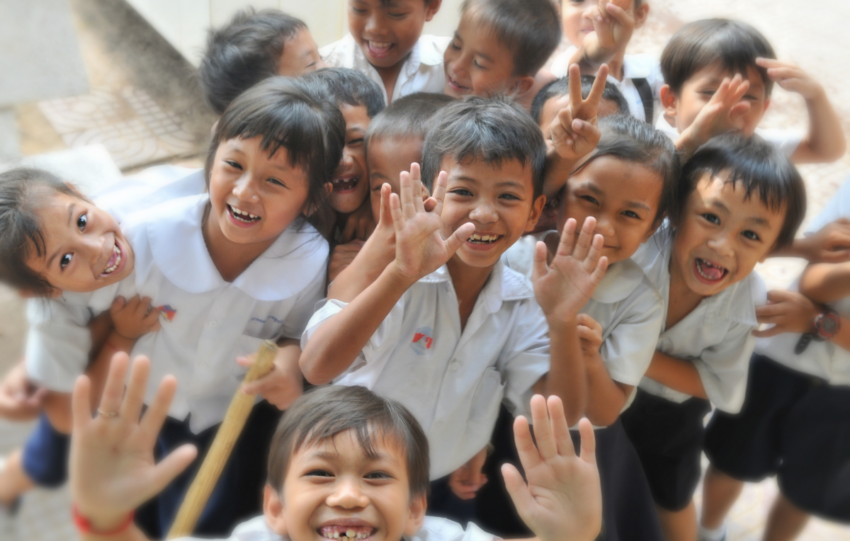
<point x="499" y="46"/>
<point x="385" y="42"/>
<point x="599" y="32"/>
<point x="343" y="463"/>
<point x="795" y="413"/>
<point x="253" y="46"/>
<point x="473" y="321"/>
<point x="719" y="75"/>
<point x="555" y="96"/>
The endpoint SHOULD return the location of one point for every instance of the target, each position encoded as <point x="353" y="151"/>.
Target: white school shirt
<point x="785" y="141"/>
<point x="716" y="336"/>
<point x="207" y="322"/>
<point x="635" y="66"/>
<point x="58" y="339"/>
<point x="433" y="529"/>
<point x="451" y="381"/>
<point x="837" y="207"/>
<point x="422" y="70"/>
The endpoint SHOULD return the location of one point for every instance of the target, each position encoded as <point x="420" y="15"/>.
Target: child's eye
<point x="590" y="199"/>
<point x="712" y="218"/>
<point x="752" y="235"/>
<point x="65" y="260"/>
<point x="461" y="191"/>
<point x="358" y="10"/>
<point x="509" y="196"/>
<point x="82" y="221"/>
<point x="397" y="16"/>
<point x="319" y="473"/>
<point x="233" y="164"/>
<point x="354" y="142"/>
<point x="631" y="214"/>
<point x="477" y="64"/>
<point x="378" y="475"/>
<point x="276" y="182"/>
<point x="453" y="45"/>
<point x="750" y="97"/>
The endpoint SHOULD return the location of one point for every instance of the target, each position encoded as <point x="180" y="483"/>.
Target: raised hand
<point x="112" y="469"/>
<point x="830" y="244"/>
<point x="565" y="285"/>
<point x="790" y="77"/>
<point x="613" y="25"/>
<point x="134" y="318"/>
<point x="574" y="132"/>
<point x="723" y="113"/>
<point x="563" y="497"/>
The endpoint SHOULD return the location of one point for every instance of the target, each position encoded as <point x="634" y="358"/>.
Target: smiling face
<point x="254" y="197"/>
<point x="350" y="183"/>
<point x="387" y="33"/>
<point x="84" y="247"/>
<point x="697" y="91"/>
<point x="575" y="19"/>
<point x="498" y="199"/>
<point x="621" y="195"/>
<point x="722" y="236"/>
<point x="387" y="158"/>
<point x="334" y="490"/>
<point x="300" y="55"/>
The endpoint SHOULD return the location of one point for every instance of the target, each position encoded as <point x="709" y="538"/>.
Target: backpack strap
<point x="642" y="86"/>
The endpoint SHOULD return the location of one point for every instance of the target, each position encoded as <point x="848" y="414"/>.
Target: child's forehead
<point x="719" y="191"/>
<point x="482" y="37"/>
<point x="351" y="445"/>
<point x="474" y="168"/>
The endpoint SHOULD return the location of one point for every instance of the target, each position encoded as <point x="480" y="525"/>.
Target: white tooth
<point x="350" y="533"/>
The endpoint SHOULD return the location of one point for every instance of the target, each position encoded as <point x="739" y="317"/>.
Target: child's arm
<point x="678" y="374"/>
<point x="111" y="463"/>
<point x="20" y="399"/>
<point x="574" y="132"/>
<point x="826" y="282"/>
<point x="562" y="289"/>
<point x="830" y="244"/>
<point x="341" y="258"/>
<point x="563" y="497"/>
<point x="420" y="250"/>
<point x="824" y="141"/>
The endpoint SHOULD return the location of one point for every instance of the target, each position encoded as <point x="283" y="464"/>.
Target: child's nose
<point x="722" y="244"/>
<point x="604" y="226"/>
<point x="347" y="494"/>
<point x="244" y="188"/>
<point x="484" y="214"/>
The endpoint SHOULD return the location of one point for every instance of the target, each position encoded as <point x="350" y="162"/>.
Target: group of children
<point x="434" y="231"/>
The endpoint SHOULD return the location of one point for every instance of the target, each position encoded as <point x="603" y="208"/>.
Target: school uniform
<point x="421" y="71"/>
<point x="453" y="380"/>
<point x="641" y="84"/>
<point x="785" y="141"/>
<point x="666" y="426"/>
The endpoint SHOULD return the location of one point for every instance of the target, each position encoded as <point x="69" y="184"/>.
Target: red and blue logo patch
<point x="167" y="312"/>
<point x="423" y="339"/>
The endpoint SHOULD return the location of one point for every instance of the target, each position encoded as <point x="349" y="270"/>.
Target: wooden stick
<point x="234" y="420"/>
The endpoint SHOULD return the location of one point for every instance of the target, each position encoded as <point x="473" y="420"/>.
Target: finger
<point x="418" y="189"/>
<point x="528" y="455"/>
<point x="244" y="361"/>
<point x="588" y="441"/>
<point x="767" y="333"/>
<point x="118" y="304"/>
<point x="595" y="94"/>
<point x="385" y="214"/>
<point x="454" y="242"/>
<point x="585" y="238"/>
<point x="131" y="408"/>
<point x="517" y="489"/>
<point x="540" y="267"/>
<point x="769" y="310"/>
<point x="406" y="194"/>
<point x="80" y="404"/>
<point x="595" y="252"/>
<point x="623" y="17"/>
<point x="836" y="256"/>
<point x="588" y="334"/>
<point x="395" y="212"/>
<point x="171" y="466"/>
<point x="157" y="411"/>
<point x="575" y="88"/>
<point x="543" y="428"/>
<point x="440" y="192"/>
<point x="768" y="62"/>
<point x="565" y="246"/>
<point x="113" y="390"/>
<point x="560" y="430"/>
<point x="599" y="272"/>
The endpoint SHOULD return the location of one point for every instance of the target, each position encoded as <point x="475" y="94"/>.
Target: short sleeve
<point x="525" y="357"/>
<point x="723" y="368"/>
<point x="628" y="349"/>
<point x="837" y="207"/>
<point x="58" y="343"/>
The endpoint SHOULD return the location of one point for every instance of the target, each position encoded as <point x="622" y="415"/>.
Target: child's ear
<point x="669" y="101"/>
<point x="523" y="84"/>
<point x="431" y="8"/>
<point x="641" y="14"/>
<point x="273" y="511"/>
<point x="536" y="211"/>
<point x="416" y="515"/>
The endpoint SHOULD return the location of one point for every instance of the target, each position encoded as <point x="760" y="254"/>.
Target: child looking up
<point x="385" y="42"/>
<point x="719" y="75"/>
<point x="253" y="46"/>
<point x="499" y="46"/>
<point x="739" y="200"/>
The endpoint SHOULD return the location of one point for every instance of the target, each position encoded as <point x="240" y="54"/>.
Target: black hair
<point x="759" y="167"/>
<point x="324" y="412"/>
<point x="490" y="129"/>
<point x="626" y="138"/>
<point x="697" y="45"/>
<point x="561" y="87"/>
<point x="410" y="116"/>
<point x="294" y="114"/>
<point x="244" y="52"/>
<point x="22" y="191"/>
<point x="350" y="87"/>
<point x="529" y="28"/>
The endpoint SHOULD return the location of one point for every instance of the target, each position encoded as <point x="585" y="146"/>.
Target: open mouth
<point x="346" y="533"/>
<point x="454" y="85"/>
<point x="242" y="216"/>
<point x="378" y="49"/>
<point x="477" y="238"/>
<point x="343" y="185"/>
<point x="708" y="271"/>
<point x="114" y="261"/>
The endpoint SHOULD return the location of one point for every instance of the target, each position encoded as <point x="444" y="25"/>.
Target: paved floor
<point x="149" y="111"/>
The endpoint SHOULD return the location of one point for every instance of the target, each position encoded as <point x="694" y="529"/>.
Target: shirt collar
<point x="637" y="66"/>
<point x="179" y="251"/>
<point x="503" y="284"/>
<point x="620" y="281"/>
<point x="430" y="55"/>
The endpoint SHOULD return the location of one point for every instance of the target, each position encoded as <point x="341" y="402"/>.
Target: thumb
<point x="170" y="467"/>
<point x="459" y="237"/>
<point x="517" y="489"/>
<point x="118" y="303"/>
<point x="540" y="266"/>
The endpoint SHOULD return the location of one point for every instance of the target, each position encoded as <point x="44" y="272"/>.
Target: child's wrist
<point x="119" y="342"/>
<point x="101" y="524"/>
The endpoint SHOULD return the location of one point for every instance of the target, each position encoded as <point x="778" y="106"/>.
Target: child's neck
<point x="681" y="300"/>
<point x="468" y="283"/>
<point x="389" y="76"/>
<point x="230" y="259"/>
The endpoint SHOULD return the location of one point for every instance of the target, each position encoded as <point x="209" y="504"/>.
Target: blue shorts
<point x="45" y="455"/>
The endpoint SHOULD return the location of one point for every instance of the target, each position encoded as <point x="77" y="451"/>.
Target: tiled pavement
<point x="156" y="110"/>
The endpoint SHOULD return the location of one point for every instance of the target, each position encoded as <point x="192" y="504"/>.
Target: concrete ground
<point x="145" y="108"/>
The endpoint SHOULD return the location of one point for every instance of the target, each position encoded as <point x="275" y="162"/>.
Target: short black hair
<point x="410" y="116"/>
<point x="697" y="45"/>
<point x="350" y="87"/>
<point x="244" y="52"/>
<point x="561" y="87"/>
<point x="324" y="412"/>
<point x="294" y="114"/>
<point x="529" y="28"/>
<point x="626" y="138"/>
<point x="490" y="129"/>
<point x="760" y="167"/>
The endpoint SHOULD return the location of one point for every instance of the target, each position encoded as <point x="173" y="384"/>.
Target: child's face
<point x="498" y="199"/>
<point x="722" y="235"/>
<point x="254" y="197"/>
<point x="387" y="158"/>
<point x="555" y="104"/>
<point x="621" y="195"/>
<point x="300" y="55"/>
<point x="387" y="33"/>
<point x="333" y="489"/>
<point x="477" y="63"/>
<point x="698" y="90"/>
<point x="84" y="247"/>
<point x="350" y="185"/>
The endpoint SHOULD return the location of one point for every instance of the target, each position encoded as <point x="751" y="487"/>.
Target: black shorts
<point x="668" y="439"/>
<point x="45" y="455"/>
<point x="792" y="425"/>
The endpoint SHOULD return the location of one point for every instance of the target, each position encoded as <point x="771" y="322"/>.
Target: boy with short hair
<point x="718" y="77"/>
<point x="344" y="463"/>
<point x="385" y="42"/>
<point x="499" y="46"/>
<point x="555" y="96"/>
<point x="254" y="45"/>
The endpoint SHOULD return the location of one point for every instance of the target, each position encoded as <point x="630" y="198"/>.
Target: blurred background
<point x="98" y="89"/>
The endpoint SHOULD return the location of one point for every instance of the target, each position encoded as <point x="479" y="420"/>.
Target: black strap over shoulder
<point x="646" y="97"/>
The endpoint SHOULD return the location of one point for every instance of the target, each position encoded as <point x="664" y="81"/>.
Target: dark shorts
<point x="794" y="426"/>
<point x="668" y="438"/>
<point x="45" y="455"/>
